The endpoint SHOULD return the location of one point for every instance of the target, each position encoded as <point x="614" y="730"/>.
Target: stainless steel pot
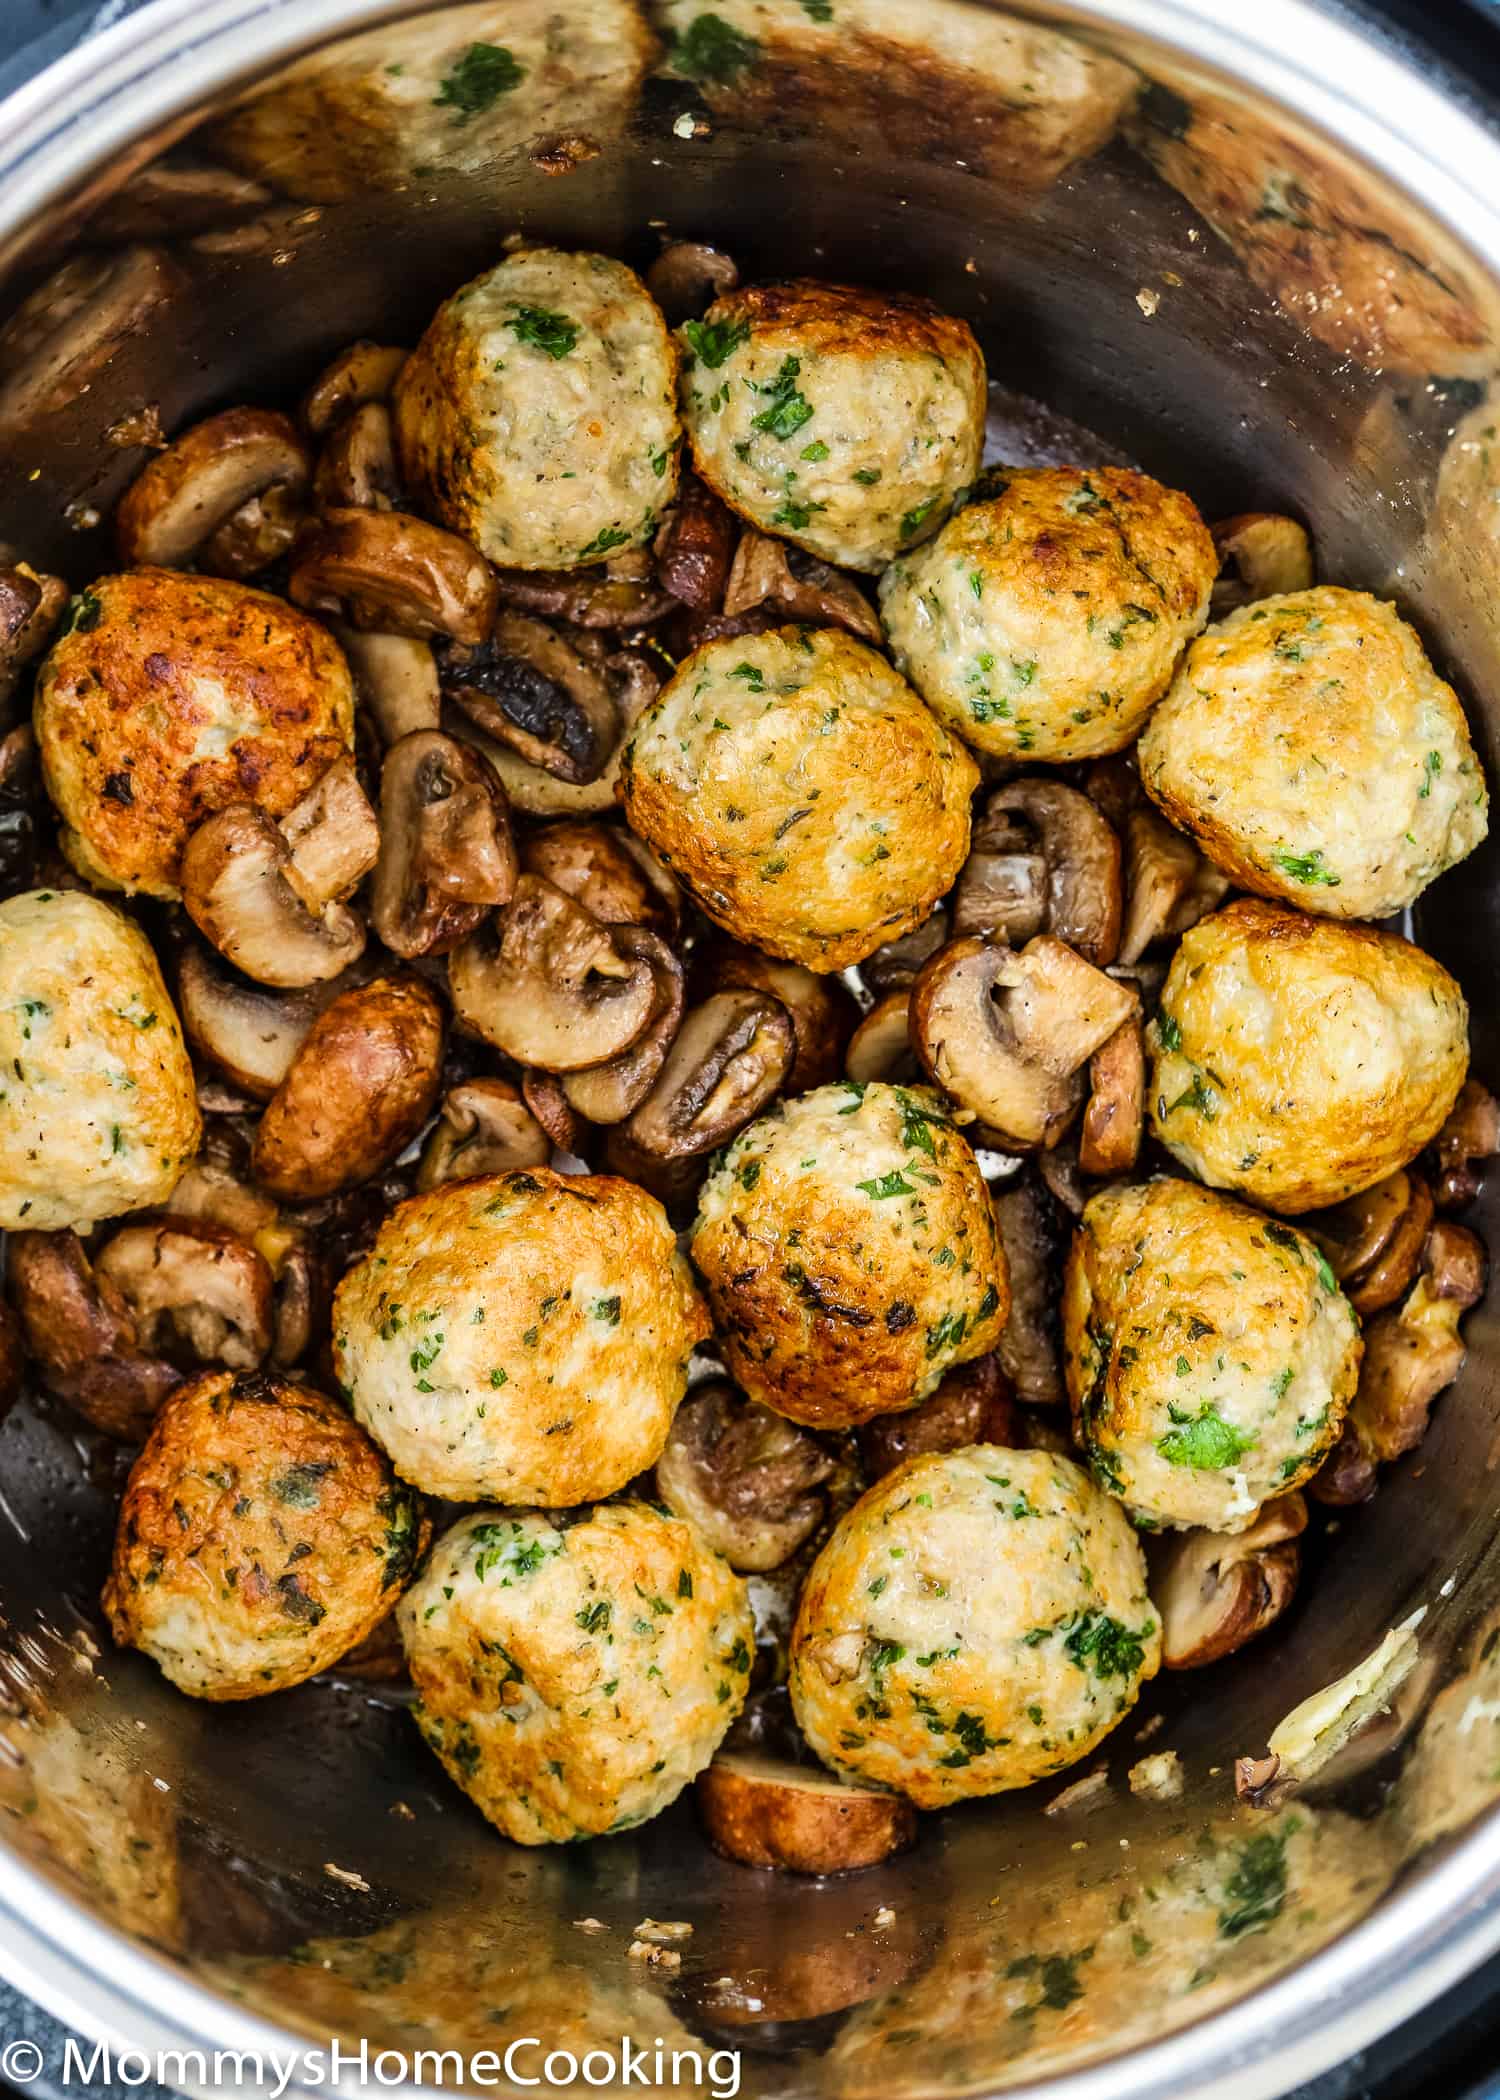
<point x="1254" y="250"/>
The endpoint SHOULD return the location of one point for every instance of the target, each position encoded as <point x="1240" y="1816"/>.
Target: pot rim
<point x="1339" y="74"/>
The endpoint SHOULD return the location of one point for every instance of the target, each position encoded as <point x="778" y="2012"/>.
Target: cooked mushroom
<point x="215" y="1188"/>
<point x="536" y="692"/>
<point x="182" y="496"/>
<point x="396" y="678"/>
<point x="823" y="1014"/>
<point x="894" y="966"/>
<point x="766" y="1813"/>
<point x="608" y="871"/>
<point x="302" y="1305"/>
<point x="973" y="1405"/>
<point x="767" y="571"/>
<point x="695" y="546"/>
<point x="251" y="1034"/>
<point x="483" y="1127"/>
<point x="608" y="1093"/>
<point x="614" y="594"/>
<point x="1034" y="1233"/>
<point x="359" y="1089"/>
<point x="1058" y="1167"/>
<point x="1260" y="556"/>
<point x="447" y="857"/>
<point x="364" y="372"/>
<point x="1469" y="1138"/>
<point x="31" y="605"/>
<point x="260" y="532"/>
<point x="674" y="1183"/>
<point x="386" y="570"/>
<point x="688" y="276"/>
<point x="268" y="895"/>
<point x="1215" y="1590"/>
<point x="743" y="1477"/>
<point x="193" y="1288"/>
<point x="357" y="465"/>
<point x="1110" y="1138"/>
<point x="81" y="1337"/>
<point x="63" y="335"/>
<point x="1043" y="861"/>
<point x="543" y="1094"/>
<point x="881" y="1047"/>
<point x="1169" y="886"/>
<point x="731" y="1055"/>
<point x="1007" y="1035"/>
<point x="632" y="681"/>
<point x="549" y="985"/>
<point x="1373" y="1242"/>
<point x="21" y="807"/>
<point x="173" y="197"/>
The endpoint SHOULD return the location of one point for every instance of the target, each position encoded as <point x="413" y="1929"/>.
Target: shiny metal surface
<point x="1296" y="306"/>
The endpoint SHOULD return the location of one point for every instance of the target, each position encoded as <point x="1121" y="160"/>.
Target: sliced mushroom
<point x="81" y="1337"/>
<point x="1216" y="1591"/>
<point x="688" y="276"/>
<point x="1044" y="860"/>
<point x="544" y="1096"/>
<point x="1109" y="1140"/>
<point x="1169" y="886"/>
<point x="604" y="595"/>
<point x="357" y="465"/>
<point x="743" y="1476"/>
<point x="695" y="546"/>
<point x="798" y="1818"/>
<point x="731" y="1055"/>
<point x="674" y="1183"/>
<point x="894" y="966"/>
<point x="64" y="334"/>
<point x="333" y="837"/>
<point x="608" y="1093"/>
<point x="1035" y="1236"/>
<point x="260" y="532"/>
<point x="533" y="690"/>
<point x="31" y="606"/>
<point x="768" y="572"/>
<point x="483" y="1127"/>
<point x="606" y="870"/>
<point x="194" y="1288"/>
<point x="1007" y="1035"/>
<point x="363" y="372"/>
<point x="1373" y="1242"/>
<point x="1469" y="1138"/>
<point x="396" y="678"/>
<point x="880" y="1049"/>
<point x="973" y="1405"/>
<point x="21" y="808"/>
<point x="633" y="681"/>
<point x="447" y="856"/>
<point x="386" y="570"/>
<point x="1058" y="1167"/>
<point x="823" y="1014"/>
<point x="302" y="1306"/>
<point x="215" y="1188"/>
<point x="182" y="496"/>
<point x="549" y="985"/>
<point x="1261" y="555"/>
<point x="359" y="1089"/>
<point x="251" y="1034"/>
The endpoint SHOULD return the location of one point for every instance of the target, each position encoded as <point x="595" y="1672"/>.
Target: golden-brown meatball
<point x="574" y="1678"/>
<point x="978" y="1620"/>
<point x="1316" y="756"/>
<point x="538" y="414"/>
<point x="1046" y="618"/>
<point x="802" y="792"/>
<point x="521" y="1337"/>
<point x="169" y="696"/>
<point x="1299" y="1060"/>
<point x="845" y="420"/>
<point x="98" y="1111"/>
<point x="851" y="1254"/>
<point x="262" y="1536"/>
<point x="1210" y="1354"/>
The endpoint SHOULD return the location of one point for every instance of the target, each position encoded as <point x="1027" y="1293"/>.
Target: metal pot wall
<point x="1253" y="251"/>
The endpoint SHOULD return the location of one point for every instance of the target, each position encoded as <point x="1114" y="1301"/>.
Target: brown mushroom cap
<point x="768" y="1813"/>
<point x="608" y="1093"/>
<point x="31" y="605"/>
<point x="1261" y="555"/>
<point x="1215" y="1591"/>
<point x="364" y="372"/>
<point x="483" y="1127"/>
<point x="731" y="1055"/>
<point x="1043" y="860"/>
<point x="1034" y="1233"/>
<point x="894" y="966"/>
<point x="881" y="1047"/>
<point x="81" y="1336"/>
<point x="1169" y="885"/>
<point x="1469" y="1138"/>
<point x="608" y="871"/>
<point x="357" y="465"/>
<point x="1110" y="1138"/>
<point x="973" y="1405"/>
<point x="533" y="690"/>
<point x="549" y="985"/>
<point x="446" y="852"/>
<point x="695" y="546"/>
<point x="1373" y="1241"/>
<point x="798" y="586"/>
<point x="544" y="1096"/>
<point x="194" y="1285"/>
<point x="386" y="570"/>
<point x="183" y="495"/>
<point x="359" y="1089"/>
<point x="822" y="1010"/>
<point x="743" y="1476"/>
<point x="619" y="595"/>
<point x="396" y="680"/>
<point x="251" y="1034"/>
<point x="21" y="808"/>
<point x="688" y="276"/>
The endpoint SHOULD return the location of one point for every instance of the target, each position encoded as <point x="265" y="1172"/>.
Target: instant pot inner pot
<point x="1164" y="270"/>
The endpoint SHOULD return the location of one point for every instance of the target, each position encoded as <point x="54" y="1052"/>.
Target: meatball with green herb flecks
<point x="1210" y="1354"/>
<point x="977" y="1621"/>
<point x="574" y="1677"/>
<point x="261" y="1537"/>
<point x="851" y="1254"/>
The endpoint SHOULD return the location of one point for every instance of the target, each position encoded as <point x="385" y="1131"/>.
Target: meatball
<point x="574" y="1679"/>
<point x="98" y="1113"/>
<point x="261" y="1537"/>
<point x="1313" y="752"/>
<point x="1210" y="1354"/>
<point x="537" y="416"/>
<point x="1298" y="1060"/>
<point x="521" y="1337"/>
<point x="851" y="1255"/>
<point x="1045" y="620"/>
<point x="846" y="420"/>
<point x="170" y="696"/>
<point x="802" y="792"/>
<point x="978" y="1620"/>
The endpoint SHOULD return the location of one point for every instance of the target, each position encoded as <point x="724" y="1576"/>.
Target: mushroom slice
<point x="765" y="1812"/>
<point x="604" y="595"/>
<point x="768" y="572"/>
<point x="1373" y="1242"/>
<point x="731" y="1055"/>
<point x="1044" y="860"/>
<point x="64" y="334"/>
<point x="303" y="1302"/>
<point x="688" y="276"/>
<point x="675" y="1183"/>
<point x="215" y="1189"/>
<point x="543" y="1095"/>
<point x="1216" y="1591"/>
<point x="1469" y="1138"/>
<point x="695" y="546"/>
<point x="546" y="983"/>
<point x="606" y="870"/>
<point x="363" y="372"/>
<point x="386" y="570"/>
<point x="881" y="1048"/>
<point x="608" y="1093"/>
<point x="182" y="496"/>
<point x="396" y="677"/>
<point x="894" y="966"/>
<point x="446" y="852"/>
<point x="1110" y="1138"/>
<point x="21" y="807"/>
<point x="633" y="681"/>
<point x="333" y="837"/>
<point x="745" y="1477"/>
<point x="1058" y="1167"/>
<point x="357" y="465"/>
<point x="1006" y="1035"/>
<point x="973" y="1405"/>
<point x="823" y="1014"/>
<point x="534" y="691"/>
<point x="1261" y="554"/>
<point x="31" y="605"/>
<point x="1169" y="885"/>
<point x="259" y="532"/>
<point x="1034" y="1234"/>
<point x="193" y="1285"/>
<point x="81" y="1336"/>
<point x="483" y="1127"/>
<point x="249" y="1033"/>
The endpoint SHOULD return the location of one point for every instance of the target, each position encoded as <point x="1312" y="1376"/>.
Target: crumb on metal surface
<point x="1158" y="1777"/>
<point x="1082" y="1797"/>
<point x="662" y="1931"/>
<point x="346" y="1877"/>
